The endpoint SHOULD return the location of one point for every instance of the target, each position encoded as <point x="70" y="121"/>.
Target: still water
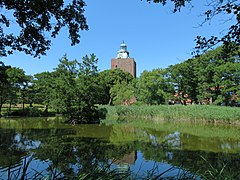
<point x="48" y="148"/>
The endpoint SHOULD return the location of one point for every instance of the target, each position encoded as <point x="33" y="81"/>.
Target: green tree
<point x="109" y="78"/>
<point x="228" y="75"/>
<point x="19" y="83"/>
<point x="123" y="93"/>
<point x="206" y="69"/>
<point x="184" y="79"/>
<point x="13" y="85"/>
<point x="4" y="85"/>
<point x="64" y="84"/>
<point x="154" y="87"/>
<point x="211" y="77"/>
<point x="75" y="89"/>
<point x="42" y="88"/>
<point x="36" y="20"/>
<point x="88" y="90"/>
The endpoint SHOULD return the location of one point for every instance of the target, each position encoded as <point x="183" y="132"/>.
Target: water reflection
<point x="123" y="164"/>
<point x="73" y="151"/>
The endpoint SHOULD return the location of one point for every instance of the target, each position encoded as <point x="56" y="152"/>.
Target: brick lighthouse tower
<point x="123" y="61"/>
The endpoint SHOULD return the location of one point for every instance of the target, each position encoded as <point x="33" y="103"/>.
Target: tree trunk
<point x="23" y="105"/>
<point x="46" y="109"/>
<point x="1" y="104"/>
<point x="10" y="106"/>
<point x="110" y="101"/>
<point x="0" y="110"/>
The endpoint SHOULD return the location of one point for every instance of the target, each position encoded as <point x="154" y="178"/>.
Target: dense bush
<point x="29" y="112"/>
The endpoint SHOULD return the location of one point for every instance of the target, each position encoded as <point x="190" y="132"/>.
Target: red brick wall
<point x="127" y="65"/>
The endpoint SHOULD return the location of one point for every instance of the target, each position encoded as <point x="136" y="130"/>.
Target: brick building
<point x="123" y="61"/>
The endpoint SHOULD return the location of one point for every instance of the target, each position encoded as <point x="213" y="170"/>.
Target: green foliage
<point x="153" y="87"/>
<point x="74" y="89"/>
<point x="28" y="112"/>
<point x="42" y="87"/>
<point x="14" y="86"/>
<point x="108" y="79"/>
<point x="212" y="77"/>
<point x="184" y="78"/>
<point x="215" y="173"/>
<point x="4" y="84"/>
<point x="123" y="93"/>
<point x="34" y="19"/>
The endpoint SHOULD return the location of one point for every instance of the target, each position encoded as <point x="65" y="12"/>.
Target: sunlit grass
<point x="193" y="113"/>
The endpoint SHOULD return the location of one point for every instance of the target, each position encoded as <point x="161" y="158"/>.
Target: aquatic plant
<point x="193" y="113"/>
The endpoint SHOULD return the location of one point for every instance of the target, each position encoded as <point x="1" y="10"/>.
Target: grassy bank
<point x="193" y="113"/>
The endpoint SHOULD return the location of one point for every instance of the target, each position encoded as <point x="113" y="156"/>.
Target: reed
<point x="193" y="113"/>
<point x="108" y="173"/>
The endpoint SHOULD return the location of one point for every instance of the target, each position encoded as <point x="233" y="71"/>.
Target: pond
<point x="46" y="148"/>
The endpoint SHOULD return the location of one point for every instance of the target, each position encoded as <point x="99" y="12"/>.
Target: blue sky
<point x="156" y="38"/>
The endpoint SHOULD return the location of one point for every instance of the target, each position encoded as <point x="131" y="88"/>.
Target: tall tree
<point x="154" y="87"/>
<point x="64" y="89"/>
<point x="19" y="83"/>
<point x="88" y="90"/>
<point x="211" y="77"/>
<point x="42" y="88"/>
<point x="123" y="93"/>
<point x="109" y="78"/>
<point x="75" y="89"/>
<point x="228" y="75"/>
<point x="4" y="84"/>
<point x="13" y="83"/>
<point x="184" y="79"/>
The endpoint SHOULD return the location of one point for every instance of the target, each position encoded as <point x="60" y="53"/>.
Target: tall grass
<point x="193" y="113"/>
<point x="108" y="173"/>
<point x="223" y="173"/>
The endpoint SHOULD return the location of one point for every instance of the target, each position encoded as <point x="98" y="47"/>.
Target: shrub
<point x="27" y="112"/>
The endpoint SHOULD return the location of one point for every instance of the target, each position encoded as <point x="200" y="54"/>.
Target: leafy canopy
<point x="74" y="89"/>
<point x="35" y="18"/>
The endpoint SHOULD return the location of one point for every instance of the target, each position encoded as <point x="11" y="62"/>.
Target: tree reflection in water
<point x="111" y="152"/>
